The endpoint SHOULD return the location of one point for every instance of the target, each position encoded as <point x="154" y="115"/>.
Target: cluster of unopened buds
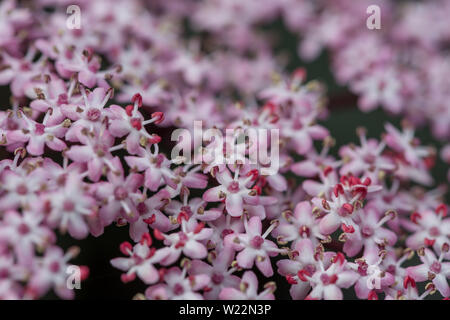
<point x="79" y="152"/>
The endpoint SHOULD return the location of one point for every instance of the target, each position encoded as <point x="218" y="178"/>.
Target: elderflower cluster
<point x="83" y="146"/>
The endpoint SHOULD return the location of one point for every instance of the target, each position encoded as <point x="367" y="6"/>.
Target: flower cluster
<point x="82" y="149"/>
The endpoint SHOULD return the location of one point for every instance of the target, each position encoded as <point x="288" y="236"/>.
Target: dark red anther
<point x="347" y="229"/>
<point x="254" y="173"/>
<point x="154" y="139"/>
<point x="182" y="215"/>
<point x="137" y="98"/>
<point x="84" y="272"/>
<point x="159" y="117"/>
<point x="199" y="227"/>
<point x="128" y="277"/>
<point x="257" y="189"/>
<point x="415" y="216"/>
<point x="129" y="110"/>
<point x="290" y="279"/>
<point x="347" y="207"/>
<point x="338" y="189"/>
<point x="429" y="242"/>
<point x="146" y="239"/>
<point x="158" y="235"/>
<point x="327" y="171"/>
<point x="150" y="220"/>
<point x="126" y="248"/>
<point x="339" y="257"/>
<point x="372" y="295"/>
<point x="367" y="181"/>
<point x="136" y="123"/>
<point x="442" y="209"/>
<point x="409" y="281"/>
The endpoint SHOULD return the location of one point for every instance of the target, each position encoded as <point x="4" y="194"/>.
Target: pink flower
<point x="177" y="286"/>
<point x="254" y="246"/>
<point x="235" y="191"/>
<point x="248" y="290"/>
<point x="432" y="269"/>
<point x="141" y="261"/>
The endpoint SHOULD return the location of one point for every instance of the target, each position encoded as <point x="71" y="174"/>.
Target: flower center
<point x="39" y="129"/>
<point x="434" y="231"/>
<point x="217" y="278"/>
<point x="326" y="279"/>
<point x="120" y="193"/>
<point x="55" y="266"/>
<point x="93" y="114"/>
<point x="367" y="231"/>
<point x="68" y="205"/>
<point x="23" y="229"/>
<point x="4" y="273"/>
<point x="62" y="99"/>
<point x="233" y="187"/>
<point x="22" y="189"/>
<point x="257" y="242"/>
<point x="304" y="231"/>
<point x="436" y="267"/>
<point x="178" y="289"/>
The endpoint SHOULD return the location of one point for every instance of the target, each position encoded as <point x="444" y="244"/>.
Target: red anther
<point x="162" y="273"/>
<point x="372" y="295"/>
<point x="361" y="190"/>
<point x="304" y="231"/>
<point x="347" y="229"/>
<point x="429" y="242"/>
<point x="199" y="227"/>
<point x="344" y="179"/>
<point x="442" y="209"/>
<point x="127" y="277"/>
<point x="367" y="181"/>
<point x="301" y="274"/>
<point x="182" y="215"/>
<point x="339" y="257"/>
<point x="257" y="189"/>
<point x="338" y="189"/>
<point x="125" y="248"/>
<point x="429" y="162"/>
<point x="348" y="208"/>
<point x="137" y="98"/>
<point x="415" y="216"/>
<point x="299" y="73"/>
<point x="159" y="115"/>
<point x="354" y="181"/>
<point x="136" y="123"/>
<point x="180" y="244"/>
<point x="262" y="181"/>
<point x="151" y="252"/>
<point x="275" y="118"/>
<point x="272" y="107"/>
<point x="84" y="272"/>
<point x="409" y="281"/>
<point x="325" y="204"/>
<point x="146" y="239"/>
<point x="254" y="173"/>
<point x="158" y="235"/>
<point x="207" y="289"/>
<point x="290" y="279"/>
<point x="129" y="110"/>
<point x="327" y="171"/>
<point x="154" y="139"/>
<point x="150" y="220"/>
